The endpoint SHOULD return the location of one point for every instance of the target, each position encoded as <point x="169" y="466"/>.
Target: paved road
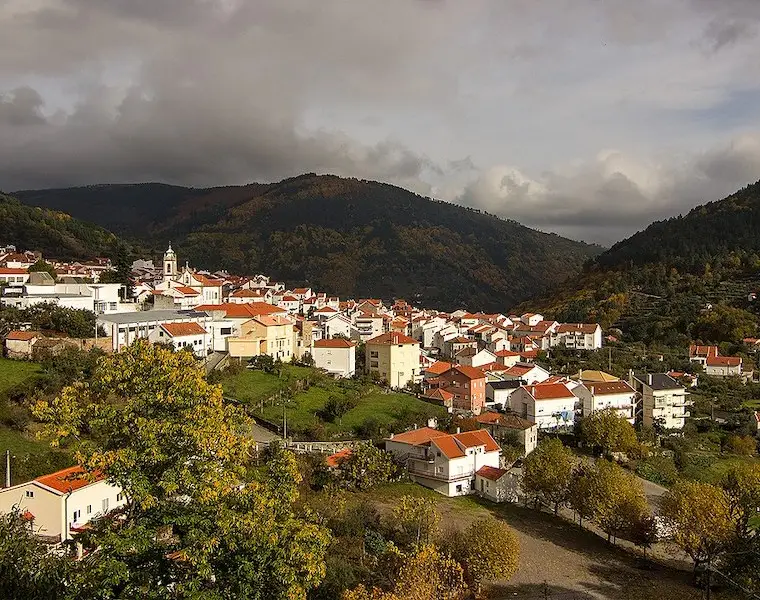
<point x="263" y="435"/>
<point x="653" y="492"/>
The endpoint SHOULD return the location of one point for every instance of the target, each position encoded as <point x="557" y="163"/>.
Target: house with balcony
<point x="618" y="395"/>
<point x="664" y="400"/>
<point x="723" y="366"/>
<point x="59" y="504"/>
<point x="444" y="462"/>
<point x="579" y="336"/>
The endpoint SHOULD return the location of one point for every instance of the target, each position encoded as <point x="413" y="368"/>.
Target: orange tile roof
<point x="723" y="361"/>
<point x="509" y="420"/>
<point x="703" y="351"/>
<point x="207" y="281"/>
<point x="391" y="339"/>
<point x="469" y="372"/>
<point x="246" y="294"/>
<point x="573" y="327"/>
<point x="188" y="291"/>
<point x="242" y="311"/>
<point x="506" y="354"/>
<point x="492" y="473"/>
<point x="67" y="480"/>
<point x="182" y="329"/>
<point x="440" y="395"/>
<point x="334" y="343"/>
<point x="12" y="271"/>
<point x="417" y="436"/>
<point x="272" y="320"/>
<point x="481" y="437"/>
<point x="335" y="460"/>
<point x="438" y="367"/>
<point x="549" y="391"/>
<point x="448" y="445"/>
<point x="22" y="336"/>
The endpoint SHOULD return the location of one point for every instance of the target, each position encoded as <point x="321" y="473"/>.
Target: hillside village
<point x="485" y="371"/>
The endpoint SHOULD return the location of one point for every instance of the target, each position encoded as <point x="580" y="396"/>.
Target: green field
<point x="389" y="411"/>
<point x="13" y="372"/>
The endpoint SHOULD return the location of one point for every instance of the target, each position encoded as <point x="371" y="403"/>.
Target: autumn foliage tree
<point x="489" y="549"/>
<point x="608" y="431"/>
<point x="699" y="517"/>
<point x="199" y="521"/>
<point x="547" y="473"/>
<point x="417" y="519"/>
<point x="621" y="502"/>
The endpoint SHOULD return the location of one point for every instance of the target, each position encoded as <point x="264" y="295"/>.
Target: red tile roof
<point x="492" y="473"/>
<point x="13" y="271"/>
<point x="470" y="439"/>
<point x="509" y="420"/>
<point x="207" y="281"/>
<point x="22" y="336"/>
<point x="246" y="294"/>
<point x="66" y="480"/>
<point x="273" y="320"/>
<point x="723" y="361"/>
<point x="581" y="327"/>
<point x="334" y="343"/>
<point x="506" y="354"/>
<point x="391" y="339"/>
<point x="182" y="329"/>
<point x="549" y="391"/>
<point x="702" y="351"/>
<point x="441" y="395"/>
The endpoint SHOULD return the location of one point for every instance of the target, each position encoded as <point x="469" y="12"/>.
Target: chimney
<point x="649" y="378"/>
<point x="415" y="425"/>
<point x="630" y="378"/>
<point x="459" y="430"/>
<point x="392" y="435"/>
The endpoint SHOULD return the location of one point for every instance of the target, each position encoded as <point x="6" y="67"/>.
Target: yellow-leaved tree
<point x="200" y="520"/>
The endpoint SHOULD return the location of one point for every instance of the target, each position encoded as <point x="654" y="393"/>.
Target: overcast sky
<point x="590" y="118"/>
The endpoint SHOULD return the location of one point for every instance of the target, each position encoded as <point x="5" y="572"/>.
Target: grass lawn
<point x="390" y="411"/>
<point x="13" y="372"/>
<point x="20" y="443"/>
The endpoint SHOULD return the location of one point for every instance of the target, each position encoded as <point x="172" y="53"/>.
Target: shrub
<point x="658" y="469"/>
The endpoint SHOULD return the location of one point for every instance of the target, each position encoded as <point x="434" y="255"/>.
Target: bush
<point x="743" y="445"/>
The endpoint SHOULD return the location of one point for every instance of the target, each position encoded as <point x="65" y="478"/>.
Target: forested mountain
<point x="680" y="279"/>
<point x="346" y="236"/>
<point x="55" y="233"/>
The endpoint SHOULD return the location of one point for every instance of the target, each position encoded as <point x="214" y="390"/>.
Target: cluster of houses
<point x="715" y="365"/>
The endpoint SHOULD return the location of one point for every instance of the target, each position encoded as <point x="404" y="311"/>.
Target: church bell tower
<point x="170" y="264"/>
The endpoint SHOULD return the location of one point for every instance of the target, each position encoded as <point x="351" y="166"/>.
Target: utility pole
<point x="284" y="423"/>
<point x="7" y="468"/>
<point x="609" y="361"/>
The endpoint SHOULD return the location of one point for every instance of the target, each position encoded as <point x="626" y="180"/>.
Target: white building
<point x="501" y="426"/>
<point x="183" y="336"/>
<point x="723" y="366"/>
<point x="60" y="503"/>
<point x="475" y="358"/>
<point x="14" y="277"/>
<point x="101" y="298"/>
<point x="549" y="405"/>
<point x="125" y="328"/>
<point x="613" y="394"/>
<point x="579" y="336"/>
<point x="444" y="462"/>
<point x="337" y="356"/>
<point x="664" y="400"/>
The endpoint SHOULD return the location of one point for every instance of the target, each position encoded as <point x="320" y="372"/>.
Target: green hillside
<point x="54" y="233"/>
<point x="680" y="279"/>
<point x="345" y="236"/>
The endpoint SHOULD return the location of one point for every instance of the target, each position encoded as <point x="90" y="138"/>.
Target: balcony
<point x="422" y="470"/>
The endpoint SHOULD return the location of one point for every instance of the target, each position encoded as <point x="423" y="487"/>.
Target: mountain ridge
<point x="350" y="236"/>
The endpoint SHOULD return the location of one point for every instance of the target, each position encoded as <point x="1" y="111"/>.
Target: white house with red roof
<point x="248" y="296"/>
<point x="337" y="356"/>
<point x="549" y="405"/>
<point x="183" y="336"/>
<point x="60" y="503"/>
<point x="471" y="357"/>
<point x="530" y="373"/>
<point x="723" y="366"/>
<point x="507" y="357"/>
<point x="580" y="336"/>
<point x="446" y="463"/>
<point x="13" y="276"/>
<point x="339" y="325"/>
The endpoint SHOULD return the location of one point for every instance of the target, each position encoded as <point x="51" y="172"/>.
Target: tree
<point x="620" y="499"/>
<point x="489" y="549"/>
<point x="27" y="567"/>
<point x="417" y="520"/>
<point x="548" y="471"/>
<point x="583" y="492"/>
<point x="198" y="520"/>
<point x="430" y="575"/>
<point x="42" y="266"/>
<point x="742" y="486"/>
<point x="699" y="516"/>
<point x="368" y="466"/>
<point x="609" y="431"/>
<point x="643" y="532"/>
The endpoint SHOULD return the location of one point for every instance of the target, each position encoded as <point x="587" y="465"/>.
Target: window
<point x="226" y="331"/>
<point x="76" y="515"/>
<point x="89" y="509"/>
<point x="119" y="497"/>
<point x="29" y="494"/>
<point x="373" y="354"/>
<point x="459" y="488"/>
<point x="105" y="505"/>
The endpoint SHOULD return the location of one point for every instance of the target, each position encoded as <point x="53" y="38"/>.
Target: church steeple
<point x="170" y="264"/>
